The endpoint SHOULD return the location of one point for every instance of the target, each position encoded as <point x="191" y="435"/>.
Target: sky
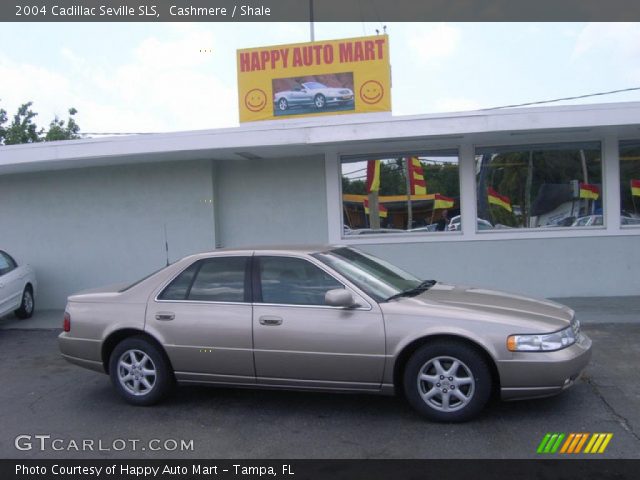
<point x="161" y="77"/>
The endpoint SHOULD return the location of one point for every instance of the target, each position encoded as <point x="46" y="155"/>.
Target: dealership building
<point x="90" y="212"/>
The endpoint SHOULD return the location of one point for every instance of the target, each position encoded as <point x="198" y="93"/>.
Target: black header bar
<point x="323" y="10"/>
<point x="592" y="469"/>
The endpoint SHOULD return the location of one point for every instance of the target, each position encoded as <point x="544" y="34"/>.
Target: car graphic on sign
<point x="312" y="94"/>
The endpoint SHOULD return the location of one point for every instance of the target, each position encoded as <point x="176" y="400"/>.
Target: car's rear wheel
<point x="139" y="371"/>
<point x="283" y="104"/>
<point x="319" y="101"/>
<point x="448" y="381"/>
<point x="27" y="304"/>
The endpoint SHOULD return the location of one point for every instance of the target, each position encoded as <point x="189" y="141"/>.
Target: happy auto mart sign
<point x="316" y="78"/>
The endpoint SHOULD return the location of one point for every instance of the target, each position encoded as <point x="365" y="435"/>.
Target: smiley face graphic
<point x="255" y="100"/>
<point x="371" y="92"/>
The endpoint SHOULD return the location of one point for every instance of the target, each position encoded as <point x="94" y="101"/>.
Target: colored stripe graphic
<point x="573" y="443"/>
<point x="598" y="443"/>
<point x="550" y="443"/>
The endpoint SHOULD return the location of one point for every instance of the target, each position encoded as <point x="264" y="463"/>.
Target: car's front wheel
<point x="139" y="371"/>
<point x="447" y="381"/>
<point x="283" y="104"/>
<point x="27" y="304"/>
<point x="319" y="101"/>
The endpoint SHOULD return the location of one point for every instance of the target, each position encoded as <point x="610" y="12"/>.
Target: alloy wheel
<point x="446" y="384"/>
<point x="136" y="372"/>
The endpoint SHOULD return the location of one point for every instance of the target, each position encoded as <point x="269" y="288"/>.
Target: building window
<point x="630" y="183"/>
<point x="539" y="186"/>
<point x="401" y="193"/>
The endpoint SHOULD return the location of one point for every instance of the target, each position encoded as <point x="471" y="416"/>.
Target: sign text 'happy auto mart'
<point x="316" y="78"/>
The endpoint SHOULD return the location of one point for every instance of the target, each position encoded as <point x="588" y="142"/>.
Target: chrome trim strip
<point x="323" y="307"/>
<point x="207" y="347"/>
<point x="333" y="354"/>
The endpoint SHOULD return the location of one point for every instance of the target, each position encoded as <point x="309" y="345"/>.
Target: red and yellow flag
<point x="589" y="191"/>
<point x="440" y="201"/>
<point x="382" y="210"/>
<point x="496" y="199"/>
<point x="417" y="184"/>
<point x="373" y="176"/>
<point x="635" y="188"/>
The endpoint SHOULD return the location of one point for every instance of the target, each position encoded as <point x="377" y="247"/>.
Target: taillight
<point x="67" y="322"/>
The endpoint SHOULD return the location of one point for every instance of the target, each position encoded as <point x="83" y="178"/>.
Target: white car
<point x="312" y="94"/>
<point x="454" y="224"/>
<point x="17" y="287"/>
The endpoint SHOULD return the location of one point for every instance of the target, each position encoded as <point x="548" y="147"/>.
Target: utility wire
<point x="565" y="98"/>
<point x="540" y="102"/>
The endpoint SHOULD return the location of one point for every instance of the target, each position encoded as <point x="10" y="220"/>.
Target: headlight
<point x="546" y="342"/>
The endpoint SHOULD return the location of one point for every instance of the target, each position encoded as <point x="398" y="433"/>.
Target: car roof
<point x="261" y="249"/>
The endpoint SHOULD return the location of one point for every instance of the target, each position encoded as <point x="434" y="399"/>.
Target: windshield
<point x="378" y="278"/>
<point x="313" y="85"/>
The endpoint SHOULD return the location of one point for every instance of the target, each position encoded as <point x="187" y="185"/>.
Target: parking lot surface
<point x="41" y="394"/>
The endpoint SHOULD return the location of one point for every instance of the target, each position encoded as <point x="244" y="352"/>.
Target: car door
<point x="10" y="284"/>
<point x="301" y="341"/>
<point x="203" y="317"/>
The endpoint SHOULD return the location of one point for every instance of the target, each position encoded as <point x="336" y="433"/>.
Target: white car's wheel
<point x="319" y="101"/>
<point x="283" y="104"/>
<point x="27" y="304"/>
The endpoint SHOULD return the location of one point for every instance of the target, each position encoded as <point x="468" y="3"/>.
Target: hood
<point x="538" y="314"/>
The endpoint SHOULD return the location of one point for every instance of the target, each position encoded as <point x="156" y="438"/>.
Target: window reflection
<point x="539" y="186"/>
<point x="417" y="193"/>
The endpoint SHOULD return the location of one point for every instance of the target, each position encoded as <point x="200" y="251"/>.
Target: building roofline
<point x="308" y="136"/>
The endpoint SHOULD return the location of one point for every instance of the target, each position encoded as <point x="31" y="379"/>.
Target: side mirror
<point x="339" y="297"/>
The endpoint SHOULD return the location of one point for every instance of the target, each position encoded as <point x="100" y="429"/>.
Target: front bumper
<point x="542" y="374"/>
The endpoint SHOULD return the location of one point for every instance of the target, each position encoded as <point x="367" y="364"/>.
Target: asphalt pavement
<point x="42" y="395"/>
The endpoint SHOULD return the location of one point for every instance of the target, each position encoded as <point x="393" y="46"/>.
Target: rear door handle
<point x="165" y="316"/>
<point x="268" y="320"/>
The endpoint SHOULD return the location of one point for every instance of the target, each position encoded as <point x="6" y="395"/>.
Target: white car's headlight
<point x="545" y="342"/>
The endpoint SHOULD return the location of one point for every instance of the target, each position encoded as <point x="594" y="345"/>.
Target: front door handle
<point x="268" y="320"/>
<point x="165" y="316"/>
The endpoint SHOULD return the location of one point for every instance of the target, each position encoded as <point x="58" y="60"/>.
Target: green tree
<point x="58" y="130"/>
<point x="23" y="128"/>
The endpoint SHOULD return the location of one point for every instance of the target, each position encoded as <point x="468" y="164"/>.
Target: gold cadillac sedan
<point x="326" y="318"/>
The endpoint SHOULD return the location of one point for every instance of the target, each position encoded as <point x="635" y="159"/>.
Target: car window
<point x="294" y="281"/>
<point x="6" y="263"/>
<point x="220" y="280"/>
<point x="178" y="288"/>
<point x="211" y="280"/>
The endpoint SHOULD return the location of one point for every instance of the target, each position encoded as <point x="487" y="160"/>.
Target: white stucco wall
<point x="266" y="202"/>
<point x="88" y="227"/>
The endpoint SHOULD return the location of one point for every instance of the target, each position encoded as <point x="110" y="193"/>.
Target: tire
<point x="283" y="104"/>
<point x="150" y="365"/>
<point x="27" y="304"/>
<point x="319" y="101"/>
<point x="442" y="391"/>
